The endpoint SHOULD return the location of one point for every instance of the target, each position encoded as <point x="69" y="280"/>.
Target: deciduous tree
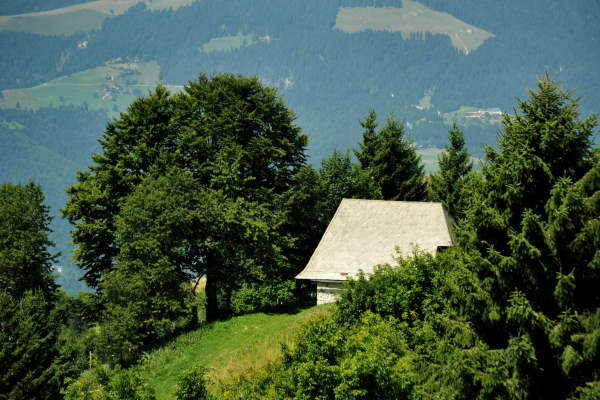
<point x="340" y="179"/>
<point x="239" y="143"/>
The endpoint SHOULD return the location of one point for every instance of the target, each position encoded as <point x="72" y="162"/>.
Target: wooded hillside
<point x="331" y="77"/>
<point x="213" y="182"/>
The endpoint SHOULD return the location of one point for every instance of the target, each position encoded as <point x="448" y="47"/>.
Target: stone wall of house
<point x="328" y="292"/>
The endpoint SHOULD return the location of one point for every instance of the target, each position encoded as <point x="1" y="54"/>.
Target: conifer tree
<point x="389" y="158"/>
<point x="396" y="167"/>
<point x="531" y="239"/>
<point x="30" y="366"/>
<point x="454" y="166"/>
<point x="28" y="332"/>
<point x="368" y="147"/>
<point x="25" y="259"/>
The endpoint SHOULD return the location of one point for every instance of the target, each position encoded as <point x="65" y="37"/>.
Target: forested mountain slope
<point x="427" y="67"/>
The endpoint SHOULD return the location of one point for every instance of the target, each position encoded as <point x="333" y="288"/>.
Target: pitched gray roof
<point x="365" y="233"/>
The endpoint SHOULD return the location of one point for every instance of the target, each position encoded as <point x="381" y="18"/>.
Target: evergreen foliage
<point x="525" y="273"/>
<point x="454" y="166"/>
<point x="25" y="260"/>
<point x="512" y="311"/>
<point x="41" y="329"/>
<point x="28" y="332"/>
<point x="368" y="147"/>
<point x="390" y="160"/>
<point x="305" y="219"/>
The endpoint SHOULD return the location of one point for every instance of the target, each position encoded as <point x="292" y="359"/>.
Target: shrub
<point x="191" y="385"/>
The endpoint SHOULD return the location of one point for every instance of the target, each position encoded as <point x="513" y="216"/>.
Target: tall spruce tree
<point x="389" y="158"/>
<point x="28" y="326"/>
<point x="396" y="166"/>
<point x="531" y="242"/>
<point x="454" y="166"/>
<point x="368" y="147"/>
<point x="25" y="258"/>
<point x="28" y="332"/>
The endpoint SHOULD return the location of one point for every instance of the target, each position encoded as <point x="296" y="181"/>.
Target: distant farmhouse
<point x="366" y="233"/>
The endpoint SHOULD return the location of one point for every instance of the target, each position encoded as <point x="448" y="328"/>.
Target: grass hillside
<point x="83" y="17"/>
<point x="112" y="87"/>
<point x="412" y="18"/>
<point x="227" y="348"/>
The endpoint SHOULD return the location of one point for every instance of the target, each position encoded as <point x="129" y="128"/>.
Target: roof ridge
<point x="392" y="201"/>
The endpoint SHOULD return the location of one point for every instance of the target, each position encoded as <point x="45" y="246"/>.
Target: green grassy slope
<point x="84" y="17"/>
<point x="227" y="348"/>
<point x="412" y="18"/>
<point x="111" y="87"/>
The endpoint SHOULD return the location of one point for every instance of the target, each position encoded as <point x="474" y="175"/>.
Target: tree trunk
<point x="212" y="309"/>
<point x="194" y="322"/>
